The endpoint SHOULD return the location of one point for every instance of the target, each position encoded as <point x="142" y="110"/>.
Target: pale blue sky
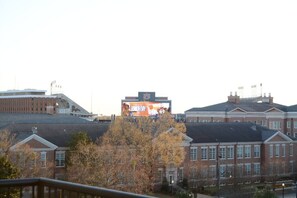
<point x="194" y="52"/>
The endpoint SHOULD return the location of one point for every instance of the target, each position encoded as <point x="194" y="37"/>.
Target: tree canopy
<point x="126" y="156"/>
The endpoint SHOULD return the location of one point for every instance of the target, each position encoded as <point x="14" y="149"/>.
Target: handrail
<point x="69" y="186"/>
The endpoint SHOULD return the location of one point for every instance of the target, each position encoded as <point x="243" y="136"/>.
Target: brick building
<point x="228" y="153"/>
<point x="244" y="152"/>
<point x="31" y="101"/>
<point x="258" y="110"/>
<point x="27" y="101"/>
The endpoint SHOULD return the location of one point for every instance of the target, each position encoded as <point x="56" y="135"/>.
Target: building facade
<point x="238" y="154"/>
<point x="216" y="153"/>
<point x="33" y="101"/>
<point x="258" y="110"/>
<point x="27" y="101"/>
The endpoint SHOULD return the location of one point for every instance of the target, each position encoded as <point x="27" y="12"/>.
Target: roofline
<point x="37" y="138"/>
<point x="278" y="133"/>
<point x="28" y="96"/>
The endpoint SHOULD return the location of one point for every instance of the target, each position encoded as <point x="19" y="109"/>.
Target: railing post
<point x="40" y="190"/>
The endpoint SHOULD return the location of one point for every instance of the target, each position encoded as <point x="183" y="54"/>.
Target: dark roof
<point x="247" y="105"/>
<point x="21" y="118"/>
<point x="227" y="132"/>
<point x="58" y="134"/>
<point x="292" y="108"/>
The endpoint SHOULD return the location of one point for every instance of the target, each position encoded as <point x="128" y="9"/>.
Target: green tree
<point x="8" y="171"/>
<point x="79" y="138"/>
<point x="264" y="193"/>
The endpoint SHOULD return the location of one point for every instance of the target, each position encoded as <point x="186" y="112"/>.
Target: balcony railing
<point x="50" y="188"/>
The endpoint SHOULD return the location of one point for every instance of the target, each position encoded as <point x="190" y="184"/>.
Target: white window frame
<point x="284" y="150"/>
<point x="277" y="150"/>
<point x="271" y="150"/>
<point x="275" y="125"/>
<point x="204" y="153"/>
<point x="257" y="169"/>
<point x="223" y="152"/>
<point x="43" y="159"/>
<point x="212" y="153"/>
<point x="291" y="150"/>
<point x="230" y="152"/>
<point x="295" y="124"/>
<point x="240" y="151"/>
<point x="288" y="124"/>
<point x="247" y="169"/>
<point x="193" y="153"/>
<point x="59" y="157"/>
<point x="212" y="171"/>
<point x="247" y="151"/>
<point x="257" y="149"/>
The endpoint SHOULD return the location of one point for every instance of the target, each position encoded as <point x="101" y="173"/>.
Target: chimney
<point x="234" y="99"/>
<point x="270" y="99"/>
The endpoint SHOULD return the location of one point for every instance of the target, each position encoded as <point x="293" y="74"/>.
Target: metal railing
<point x="50" y="188"/>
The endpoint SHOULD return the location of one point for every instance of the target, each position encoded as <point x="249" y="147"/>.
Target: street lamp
<point x="283" y="185"/>
<point x="172" y="181"/>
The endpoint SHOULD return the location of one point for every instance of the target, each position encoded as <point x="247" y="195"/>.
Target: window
<point x="193" y="153"/>
<point x="275" y="125"/>
<point x="43" y="159"/>
<point x="291" y="150"/>
<point x="159" y="175"/>
<point x="212" y="171"/>
<point x="295" y="135"/>
<point x="230" y="152"/>
<point x="222" y="170"/>
<point x="295" y="124"/>
<point x="193" y="172"/>
<point x="291" y="167"/>
<point x="257" y="169"/>
<point x="223" y="152"/>
<point x="247" y="169"/>
<point x="270" y="168"/>
<point x="180" y="174"/>
<point x="271" y="150"/>
<point x="60" y="158"/>
<point x="212" y="153"/>
<point x="257" y="151"/>
<point x="240" y="151"/>
<point x="239" y="170"/>
<point x="204" y="153"/>
<point x="277" y="150"/>
<point x="284" y="150"/>
<point x="229" y="171"/>
<point x="247" y="151"/>
<point x="288" y="124"/>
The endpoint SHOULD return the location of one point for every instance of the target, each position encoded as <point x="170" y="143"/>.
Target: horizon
<point x="194" y="53"/>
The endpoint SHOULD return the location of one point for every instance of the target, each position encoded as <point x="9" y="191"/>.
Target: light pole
<point x="283" y="185"/>
<point x="172" y="181"/>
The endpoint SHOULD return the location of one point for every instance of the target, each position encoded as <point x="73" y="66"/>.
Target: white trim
<point x="63" y="148"/>
<point x="37" y="138"/>
<point x="237" y="108"/>
<point x="274" y="108"/>
<point x="280" y="134"/>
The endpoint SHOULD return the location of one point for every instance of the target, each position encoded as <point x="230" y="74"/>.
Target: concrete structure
<point x="258" y="110"/>
<point x="37" y="102"/>
<point x="27" y="101"/>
